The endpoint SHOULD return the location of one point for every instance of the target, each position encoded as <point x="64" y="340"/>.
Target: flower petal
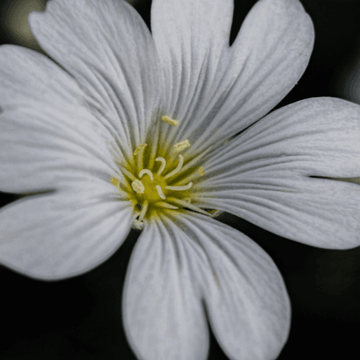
<point x="62" y="234"/>
<point x="109" y="50"/>
<point x="46" y="134"/>
<point x="163" y="315"/>
<point x="278" y="174"/>
<point x="182" y="261"/>
<point x="269" y="56"/>
<point x="212" y="85"/>
<point x="192" y="38"/>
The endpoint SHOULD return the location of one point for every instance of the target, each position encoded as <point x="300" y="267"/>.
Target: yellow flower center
<point x="159" y="177"/>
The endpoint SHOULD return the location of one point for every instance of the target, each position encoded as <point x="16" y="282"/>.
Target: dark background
<point x="80" y="318"/>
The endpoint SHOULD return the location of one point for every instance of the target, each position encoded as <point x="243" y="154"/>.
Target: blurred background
<point x="80" y="318"/>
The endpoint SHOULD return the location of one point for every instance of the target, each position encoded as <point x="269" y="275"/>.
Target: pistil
<point x="180" y="188"/>
<point x="160" y="192"/>
<point x="146" y="171"/>
<point x="163" y="164"/>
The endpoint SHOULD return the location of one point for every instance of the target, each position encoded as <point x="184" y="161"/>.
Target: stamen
<point x="163" y="164"/>
<point x="169" y="120"/>
<point x="177" y="169"/>
<point x="160" y="192"/>
<point x="139" y="152"/>
<point x="126" y="185"/>
<point x="154" y="147"/>
<point x="123" y="195"/>
<point x="139" y="148"/>
<point x="180" y="188"/>
<point x="214" y="213"/>
<point x="138" y="186"/>
<point x="187" y="205"/>
<point x="182" y="145"/>
<point x="146" y="171"/>
<point x="165" y="205"/>
<point x="144" y="208"/>
<point x="116" y="182"/>
<point x="197" y="159"/>
<point x="128" y="174"/>
<point x="201" y="171"/>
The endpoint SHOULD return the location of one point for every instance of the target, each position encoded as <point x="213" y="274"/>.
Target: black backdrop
<point x="80" y="318"/>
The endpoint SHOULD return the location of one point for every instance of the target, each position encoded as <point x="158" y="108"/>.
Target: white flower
<point x="132" y="128"/>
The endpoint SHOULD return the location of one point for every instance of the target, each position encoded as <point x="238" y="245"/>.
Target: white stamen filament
<point x="163" y="164"/>
<point x="144" y="208"/>
<point x="177" y="169"/>
<point x="197" y="159"/>
<point x="128" y="174"/>
<point x="165" y="205"/>
<point x="126" y="185"/>
<point x="154" y="146"/>
<point x="180" y="188"/>
<point x="160" y="192"/>
<point x="146" y="171"/>
<point x="139" y="152"/>
<point x="187" y="205"/>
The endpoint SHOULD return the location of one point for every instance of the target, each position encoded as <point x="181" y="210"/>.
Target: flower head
<point x="125" y="128"/>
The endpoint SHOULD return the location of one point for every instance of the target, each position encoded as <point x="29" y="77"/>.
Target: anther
<point x="146" y="171"/>
<point x="169" y="120"/>
<point x="201" y="171"/>
<point x="139" y="148"/>
<point x="182" y="145"/>
<point x="138" y="186"/>
<point x="163" y="164"/>
<point x="177" y="169"/>
<point x="160" y="192"/>
<point x="116" y="182"/>
<point x="180" y="188"/>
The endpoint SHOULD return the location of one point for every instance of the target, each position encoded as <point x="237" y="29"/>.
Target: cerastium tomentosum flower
<point x="122" y="127"/>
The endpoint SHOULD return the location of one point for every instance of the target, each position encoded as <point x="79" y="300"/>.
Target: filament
<point x="128" y="174"/>
<point x="177" y="169"/>
<point x="155" y="145"/>
<point x="165" y="205"/>
<point x="139" y="152"/>
<point x="188" y="205"/>
<point x="144" y="208"/>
